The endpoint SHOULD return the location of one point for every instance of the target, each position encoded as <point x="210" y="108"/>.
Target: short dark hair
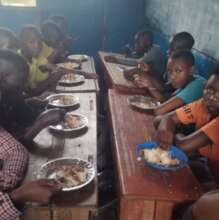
<point x="8" y="35"/>
<point x="27" y="29"/>
<point x="47" y="29"/>
<point x="185" y="55"/>
<point x="184" y="39"/>
<point x="146" y="33"/>
<point x="16" y="61"/>
<point x="60" y="21"/>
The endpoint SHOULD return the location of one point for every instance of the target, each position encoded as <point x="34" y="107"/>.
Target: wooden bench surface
<point x="115" y="77"/>
<point x="135" y="179"/>
<point x="48" y="147"/>
<point x="90" y="85"/>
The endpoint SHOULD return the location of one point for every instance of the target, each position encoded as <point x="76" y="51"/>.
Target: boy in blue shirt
<point x="188" y="87"/>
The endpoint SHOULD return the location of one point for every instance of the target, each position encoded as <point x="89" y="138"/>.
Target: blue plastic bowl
<point x="174" y="151"/>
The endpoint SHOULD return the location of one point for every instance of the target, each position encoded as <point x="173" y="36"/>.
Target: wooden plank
<point x="164" y="210"/>
<point x="47" y="147"/>
<point x="70" y="214"/>
<point x="136" y="179"/>
<point x="36" y="214"/>
<point x="90" y="85"/>
<point x="115" y="77"/>
<point x="137" y="209"/>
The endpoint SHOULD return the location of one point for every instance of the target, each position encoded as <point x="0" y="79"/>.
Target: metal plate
<point x="60" y="127"/>
<point x="72" y="80"/>
<point x="48" y="169"/>
<point x="53" y="100"/>
<point x="78" y="57"/>
<point x="69" y="65"/>
<point x="142" y="102"/>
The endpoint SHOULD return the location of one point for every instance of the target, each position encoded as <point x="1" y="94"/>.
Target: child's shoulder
<point x="198" y="81"/>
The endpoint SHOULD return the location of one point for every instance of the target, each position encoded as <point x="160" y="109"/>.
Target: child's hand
<point x="164" y="138"/>
<point x="144" y="67"/>
<point x="142" y="82"/>
<point x="39" y="191"/>
<point x="129" y="73"/>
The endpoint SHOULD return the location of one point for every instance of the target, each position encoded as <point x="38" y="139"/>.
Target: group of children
<point x="186" y="99"/>
<point x="27" y="68"/>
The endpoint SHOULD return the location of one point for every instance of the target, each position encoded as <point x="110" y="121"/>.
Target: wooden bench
<point x="89" y="85"/>
<point x="70" y="205"/>
<point x="145" y="193"/>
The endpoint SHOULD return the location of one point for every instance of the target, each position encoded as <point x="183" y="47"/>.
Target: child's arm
<point x="54" y="56"/>
<point x="165" y="135"/>
<point x="192" y="142"/>
<point x="168" y="106"/>
<point x="44" y="85"/>
<point x="165" y="132"/>
<point x="152" y="84"/>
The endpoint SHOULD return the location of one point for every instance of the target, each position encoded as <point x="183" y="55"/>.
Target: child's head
<point x="180" y="68"/>
<point x="61" y="22"/>
<point x="52" y="34"/>
<point x="211" y="93"/>
<point x="143" y="41"/>
<point x="8" y="39"/>
<point x="181" y="41"/>
<point x="13" y="71"/>
<point x="31" y="41"/>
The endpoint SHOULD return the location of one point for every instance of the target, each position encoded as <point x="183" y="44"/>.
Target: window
<point x="18" y="3"/>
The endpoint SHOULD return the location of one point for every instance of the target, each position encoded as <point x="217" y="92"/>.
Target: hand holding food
<point x="144" y="67"/>
<point x="142" y="82"/>
<point x="165" y="138"/>
<point x="129" y="73"/>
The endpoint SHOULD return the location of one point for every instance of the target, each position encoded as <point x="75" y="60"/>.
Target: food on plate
<point x="69" y="175"/>
<point x="63" y="100"/>
<point x="160" y="157"/>
<point x="68" y="65"/>
<point x="72" y="121"/>
<point x="70" y="78"/>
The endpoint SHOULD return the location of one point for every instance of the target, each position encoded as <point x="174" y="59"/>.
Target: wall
<point x="199" y="17"/>
<point x="96" y="24"/>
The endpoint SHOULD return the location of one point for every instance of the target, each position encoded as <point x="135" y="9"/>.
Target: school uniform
<point x="36" y="75"/>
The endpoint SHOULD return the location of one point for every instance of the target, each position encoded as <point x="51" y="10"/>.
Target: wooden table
<point x="90" y="85"/>
<point x="113" y="75"/>
<point x="76" y="205"/>
<point x="145" y="193"/>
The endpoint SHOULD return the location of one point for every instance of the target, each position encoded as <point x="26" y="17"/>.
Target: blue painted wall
<point x="97" y="24"/>
<point x="199" y="17"/>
